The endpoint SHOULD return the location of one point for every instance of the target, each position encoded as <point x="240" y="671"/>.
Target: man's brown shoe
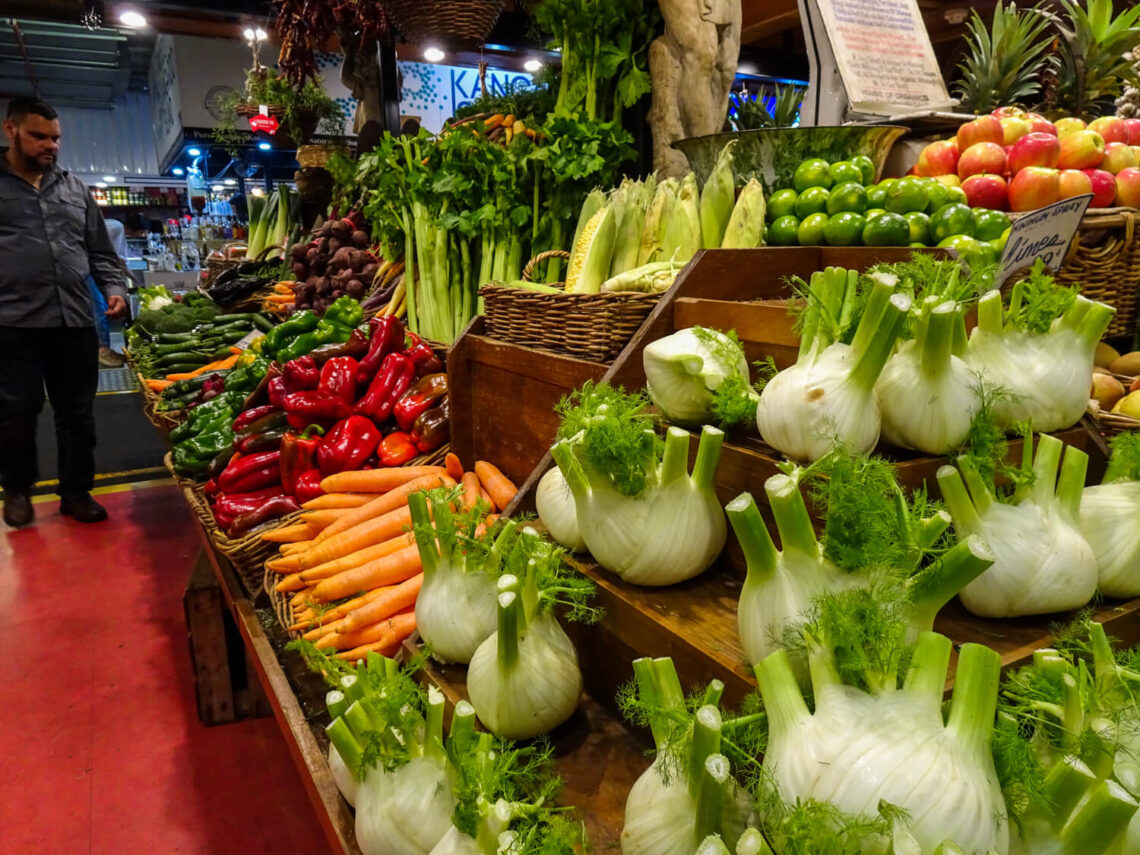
<point x="82" y="508"/>
<point x="18" y="510"/>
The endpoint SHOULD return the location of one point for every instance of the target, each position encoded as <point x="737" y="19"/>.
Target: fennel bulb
<point x="345" y="781"/>
<point x="827" y="398"/>
<point x="668" y="530"/>
<point x="555" y="506"/>
<point x="406" y="812"/>
<point x="684" y="371"/>
<point x="1110" y="521"/>
<point x="455" y="609"/>
<point x="926" y="394"/>
<point x="1042" y="564"/>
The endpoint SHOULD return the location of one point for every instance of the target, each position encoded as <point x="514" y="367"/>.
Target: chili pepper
<point x="420" y="352"/>
<point x="298" y="455"/>
<point x="235" y="504"/>
<point x="301" y="374"/>
<point x="227" y="402"/>
<point x="248" y="417"/>
<point x="392" y="380"/>
<point x="348" y="445"/>
<point x="356" y="347"/>
<point x="299" y="346"/>
<point x="277" y="391"/>
<point x="423" y="395"/>
<point x="220" y="462"/>
<point x="432" y="427"/>
<point x="329" y="332"/>
<point x="300" y="323"/>
<point x="315" y="407"/>
<point x="187" y="464"/>
<point x="252" y="472"/>
<point x="268" y="422"/>
<point x="344" y="311"/>
<point x="387" y="336"/>
<point x="273" y="509"/>
<point x="396" y="449"/>
<point x="210" y="488"/>
<point x="338" y="378"/>
<point x="265" y="441"/>
<point x="309" y="486"/>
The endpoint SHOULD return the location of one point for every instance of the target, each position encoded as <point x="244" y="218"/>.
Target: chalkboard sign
<point x="1045" y="233"/>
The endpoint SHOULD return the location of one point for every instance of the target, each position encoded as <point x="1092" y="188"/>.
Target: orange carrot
<point x="338" y="612"/>
<point x="392" y="630"/>
<point x="384" y="571"/>
<point x="399" y="597"/>
<point x="339" y="500"/>
<point x="322" y="519"/>
<point x="278" y="565"/>
<point x="289" y="534"/>
<point x="326" y="628"/>
<point x="292" y="582"/>
<point x="470" y="482"/>
<point x="181" y="375"/>
<point x="296" y="547"/>
<point x="355" y="559"/>
<point x="383" y="504"/>
<point x="361" y="653"/>
<point x="158" y="385"/>
<point x="377" y="480"/>
<point x="453" y="466"/>
<point x="500" y="487"/>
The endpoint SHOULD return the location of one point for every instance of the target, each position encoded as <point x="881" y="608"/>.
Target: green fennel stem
<point x="462" y="721"/>
<point x="705" y="742"/>
<point x="1065" y="786"/>
<point x="714" y="691"/>
<point x="424" y="534"/>
<point x="938" y="341"/>
<point x="975" y="696"/>
<point x="708" y="456"/>
<point x="671" y="694"/>
<point x="938" y="584"/>
<point x="508" y="642"/>
<point x="347" y="746"/>
<point x="989" y="313"/>
<point x="1076" y="313"/>
<point x="925" y="533"/>
<point x="1095" y="323"/>
<point x="336" y="703"/>
<point x="351" y="686"/>
<point x="645" y="676"/>
<point x="961" y="339"/>
<point x="1100" y="820"/>
<point x="1016" y="296"/>
<point x="966" y="518"/>
<point x="410" y="271"/>
<point x="1071" y="484"/>
<point x="433" y="726"/>
<point x="781" y="692"/>
<point x="675" y="461"/>
<point x="752" y="842"/>
<point x="792" y="519"/>
<point x="869" y="362"/>
<point x="980" y="492"/>
<point x="1045" y="464"/>
<point x="358" y="719"/>
<point x="712" y="786"/>
<point x="868" y="327"/>
<point x="927" y="674"/>
<point x="571" y="470"/>
<point x="759" y="550"/>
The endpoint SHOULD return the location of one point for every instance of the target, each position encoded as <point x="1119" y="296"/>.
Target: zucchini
<point x="263" y="323"/>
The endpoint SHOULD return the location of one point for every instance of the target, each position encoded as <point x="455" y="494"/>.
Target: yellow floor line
<point x="106" y="476"/>
<point x="114" y="488"/>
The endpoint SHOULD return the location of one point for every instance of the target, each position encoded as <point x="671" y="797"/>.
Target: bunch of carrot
<point x="351" y="561"/>
<point x="280" y="299"/>
<point x="226" y="364"/>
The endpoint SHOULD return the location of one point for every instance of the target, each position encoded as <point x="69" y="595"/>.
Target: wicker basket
<point x="419" y="21"/>
<point x="316" y="155"/>
<point x="1104" y="261"/>
<point x="216" y="266"/>
<point x="164" y="420"/>
<point x="590" y="326"/>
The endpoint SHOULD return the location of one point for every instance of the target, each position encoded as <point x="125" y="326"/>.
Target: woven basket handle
<point x="528" y="271"/>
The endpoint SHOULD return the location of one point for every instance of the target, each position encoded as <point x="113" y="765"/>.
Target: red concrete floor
<point x="103" y="752"/>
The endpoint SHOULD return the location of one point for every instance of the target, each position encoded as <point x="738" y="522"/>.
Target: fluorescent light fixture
<point x="257" y="191"/>
<point x="218" y="188"/>
<point x="260" y="34"/>
<point x="264" y="146"/>
<point x="230" y="182"/>
<point x="131" y="18"/>
<point x="248" y="33"/>
<point x="100" y="184"/>
<point x="194" y="152"/>
<point x="110" y="179"/>
<point x="433" y="54"/>
<point x="532" y="65"/>
<point x="746" y="68"/>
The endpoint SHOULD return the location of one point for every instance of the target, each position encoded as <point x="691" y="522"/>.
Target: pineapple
<point x="1128" y="104"/>
<point x="1003" y="65"/>
<point x="1103" y="43"/>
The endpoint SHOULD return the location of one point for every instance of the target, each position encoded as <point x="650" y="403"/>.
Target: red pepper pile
<point x="374" y="401"/>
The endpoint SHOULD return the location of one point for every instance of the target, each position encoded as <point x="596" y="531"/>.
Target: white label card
<point x="1045" y="233"/>
<point x="249" y="339"/>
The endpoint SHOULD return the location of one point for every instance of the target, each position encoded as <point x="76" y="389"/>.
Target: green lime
<point x="871" y="213"/>
<point x="991" y="254"/>
<point x="811" y="229"/>
<point x="888" y="183"/>
<point x="906" y="195"/>
<point x="958" y="196"/>
<point x="812" y="201"/>
<point x="783" y="232"/>
<point x="811" y="173"/>
<point x="990" y="224"/>
<point x="849" y="196"/>
<point x="969" y="248"/>
<point x="866" y="167"/>
<point x="1001" y="241"/>
<point x="951" y="220"/>
<point x="917" y="245"/>
<point x="938" y="196"/>
<point x="887" y="230"/>
<point x="876" y="196"/>
<point x="845" y="172"/>
<point x="919" y="224"/>
<point x="782" y="203"/>
<point x="845" y="229"/>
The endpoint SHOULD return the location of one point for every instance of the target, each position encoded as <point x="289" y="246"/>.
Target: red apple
<point x="1073" y="182"/>
<point x="985" y="191"/>
<point x="1128" y="187"/>
<point x="981" y="157"/>
<point x="1013" y="128"/>
<point x="1038" y="124"/>
<point x="938" y="158"/>
<point x="1034" y="187"/>
<point x="1110" y="128"/>
<point x="1081" y="150"/>
<point x="1118" y="156"/>
<point x="1069" y="125"/>
<point x="1002" y="112"/>
<point x="981" y="129"/>
<point x="1034" y="149"/>
<point x="1103" y="187"/>
<point x="1133" y="128"/>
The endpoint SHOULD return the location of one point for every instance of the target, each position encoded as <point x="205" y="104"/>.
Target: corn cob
<point x="717" y="198"/>
<point x="683" y="230"/>
<point x="652" y="278"/>
<point x="594" y="202"/>
<point x="590" y="260"/>
<point x="746" y="226"/>
<point x="629" y="204"/>
<point x="657" y="216"/>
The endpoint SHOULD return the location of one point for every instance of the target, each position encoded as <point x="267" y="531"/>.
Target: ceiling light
<point x="100" y="184"/>
<point x="433" y="54"/>
<point x="110" y="179"/>
<point x="130" y="18"/>
<point x="746" y="68"/>
<point x="257" y="191"/>
<point x="230" y="182"/>
<point x="532" y="65"/>
<point x="264" y="146"/>
<point x="218" y="188"/>
<point x="178" y="170"/>
<point x="194" y="152"/>
<point x="260" y="34"/>
<point x="248" y="33"/>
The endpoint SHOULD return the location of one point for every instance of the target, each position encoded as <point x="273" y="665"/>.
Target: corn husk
<point x="629" y="202"/>
<point x="657" y="216"/>
<point x="717" y="199"/>
<point x="683" y="230"/>
<point x="653" y="278"/>
<point x="593" y="251"/>
<point x="746" y="226"/>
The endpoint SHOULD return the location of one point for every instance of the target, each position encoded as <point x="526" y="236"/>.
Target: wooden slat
<point x="209" y="655"/>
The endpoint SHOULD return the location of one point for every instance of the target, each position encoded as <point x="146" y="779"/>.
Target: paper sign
<point x="263" y="123"/>
<point x="884" y="55"/>
<point x="1045" y="233"/>
<point x="249" y="339"/>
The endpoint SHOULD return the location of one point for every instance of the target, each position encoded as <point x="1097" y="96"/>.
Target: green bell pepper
<point x="301" y="322"/>
<point x="298" y="347"/>
<point x="227" y="402"/>
<point x="244" y="379"/>
<point x="330" y="332"/>
<point x="209" y="444"/>
<point x="345" y="312"/>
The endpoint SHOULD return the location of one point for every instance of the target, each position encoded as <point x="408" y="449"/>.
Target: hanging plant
<point x="306" y="25"/>
<point x="300" y="111"/>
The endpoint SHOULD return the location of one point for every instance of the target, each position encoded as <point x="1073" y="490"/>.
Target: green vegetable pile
<point x="161" y="314"/>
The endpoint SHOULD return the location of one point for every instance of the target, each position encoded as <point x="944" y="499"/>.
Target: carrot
<point x="181" y="375"/>
<point x="324" y="629"/>
<point x="399" y="597"/>
<point x="377" y="480"/>
<point x="383" y="504"/>
<point x="338" y="500"/>
<point x="388" y="632"/>
<point x="359" y="654"/>
<point x="384" y="571"/>
<point x="486" y="497"/>
<point x="488" y="521"/>
<point x="470" y="482"/>
<point x="338" y="612"/>
<point x="453" y="466"/>
<point x="500" y="487"/>
<point x="292" y="582"/>
<point x="296" y="547"/>
<point x="279" y="565"/>
<point x="368" y="533"/>
<point x="289" y="534"/>
<point x="158" y="385"/>
<point x="322" y="519"/>
<point x="355" y="559"/>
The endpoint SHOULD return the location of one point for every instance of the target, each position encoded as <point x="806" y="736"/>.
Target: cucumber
<point x="263" y="323"/>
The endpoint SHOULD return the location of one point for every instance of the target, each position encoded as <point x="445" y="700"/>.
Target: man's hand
<point x="116" y="307"/>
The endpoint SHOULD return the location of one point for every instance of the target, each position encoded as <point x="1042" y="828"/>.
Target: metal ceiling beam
<point x="67" y="31"/>
<point x="77" y="65"/>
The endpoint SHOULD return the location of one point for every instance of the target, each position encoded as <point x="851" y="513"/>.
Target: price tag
<point x="1045" y="233"/>
<point x="249" y="339"/>
<point x="268" y="124"/>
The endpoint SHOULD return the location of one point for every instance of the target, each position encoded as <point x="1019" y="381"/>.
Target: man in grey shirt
<point x="51" y="237"/>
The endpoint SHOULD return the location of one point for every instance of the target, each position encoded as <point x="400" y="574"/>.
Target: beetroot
<point x="300" y="269"/>
<point x="360" y="238"/>
<point x="297" y="253"/>
<point x="355" y="289"/>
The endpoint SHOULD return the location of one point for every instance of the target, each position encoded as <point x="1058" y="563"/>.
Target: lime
<point x="782" y="203"/>
<point x="845" y="229"/>
<point x="888" y="183"/>
<point x="938" y="195"/>
<point x="876" y="196"/>
<point x="811" y="173"/>
<point x="783" y="231"/>
<point x="847" y="197"/>
<point x="812" y="201"/>
<point x="845" y="172"/>
<point x="990" y="224"/>
<point x="906" y="195"/>
<point x="919" y="224"/>
<point x="887" y="230"/>
<point x="989" y="252"/>
<point x="866" y="167"/>
<point x="916" y="245"/>
<point x="958" y="196"/>
<point x="871" y="213"/>
<point x="951" y="220"/>
<point x="811" y="229"/>
<point x="969" y="248"/>
<point x="1001" y="241"/>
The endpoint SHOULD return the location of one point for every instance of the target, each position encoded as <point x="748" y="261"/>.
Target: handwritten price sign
<point x="1045" y="233"/>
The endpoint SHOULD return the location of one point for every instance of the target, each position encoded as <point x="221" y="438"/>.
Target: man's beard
<point x="33" y="164"/>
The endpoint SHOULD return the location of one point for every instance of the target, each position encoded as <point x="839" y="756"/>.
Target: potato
<point x="1129" y="405"/>
<point x="1107" y="390"/>
<point x="1128" y="364"/>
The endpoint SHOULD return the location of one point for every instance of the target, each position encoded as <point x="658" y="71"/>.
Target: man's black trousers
<point x="66" y="361"/>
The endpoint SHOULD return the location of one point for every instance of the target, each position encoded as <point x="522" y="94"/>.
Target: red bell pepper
<point x="232" y="505"/>
<point x="390" y="383"/>
<point x="309" y="486"/>
<point x="250" y="416"/>
<point x="315" y="407"/>
<point x="298" y="456"/>
<point x="210" y="488"/>
<point x="272" y="509"/>
<point x="424" y="394"/>
<point x="420" y="352"/>
<point x="262" y="435"/>
<point x="348" y="445"/>
<point x="338" y="378"/>
<point x="301" y="374"/>
<point x="252" y="472"/>
<point x="387" y="336"/>
<point x="277" y="391"/>
<point x="356" y="347"/>
<point x="433" y="427"/>
<point x="396" y="449"/>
